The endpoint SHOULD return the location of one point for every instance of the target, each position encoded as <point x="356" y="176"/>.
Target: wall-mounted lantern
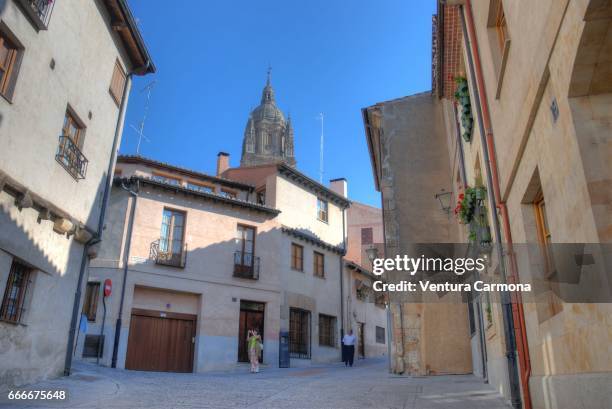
<point x="445" y="200"/>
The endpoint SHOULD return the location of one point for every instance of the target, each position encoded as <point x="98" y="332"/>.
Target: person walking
<point x="348" y="342"/>
<point x="254" y="345"/>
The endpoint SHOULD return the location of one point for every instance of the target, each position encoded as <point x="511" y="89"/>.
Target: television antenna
<point x="321" y="150"/>
<point x="140" y="129"/>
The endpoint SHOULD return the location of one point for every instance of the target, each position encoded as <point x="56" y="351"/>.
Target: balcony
<point x="246" y="266"/>
<point x="38" y="11"/>
<point x="71" y="158"/>
<point x="169" y="257"/>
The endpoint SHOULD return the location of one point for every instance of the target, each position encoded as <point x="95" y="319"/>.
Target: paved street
<point x="367" y="385"/>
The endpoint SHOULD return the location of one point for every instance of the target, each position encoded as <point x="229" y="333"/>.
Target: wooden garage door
<point x="160" y="341"/>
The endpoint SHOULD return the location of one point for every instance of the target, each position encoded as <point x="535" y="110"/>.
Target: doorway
<point x="360" y="340"/>
<point x="251" y="317"/>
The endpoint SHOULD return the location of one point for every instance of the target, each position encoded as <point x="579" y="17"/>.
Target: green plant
<point x="462" y="95"/>
<point x="466" y="205"/>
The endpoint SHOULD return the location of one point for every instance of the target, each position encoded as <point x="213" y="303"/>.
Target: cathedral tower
<point x="268" y="137"/>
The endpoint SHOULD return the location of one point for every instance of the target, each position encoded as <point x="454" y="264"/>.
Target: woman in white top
<point x="348" y="348"/>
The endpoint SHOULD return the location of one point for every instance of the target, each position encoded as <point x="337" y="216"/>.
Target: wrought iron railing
<point x="39" y="11"/>
<point x="71" y="158"/>
<point x="246" y="265"/>
<point x="166" y="253"/>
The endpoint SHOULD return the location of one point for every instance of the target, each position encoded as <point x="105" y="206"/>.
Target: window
<point x="158" y="177"/>
<point x="299" y="333"/>
<point x="117" y="84"/>
<point x="69" y="153"/>
<point x="10" y="54"/>
<point x="318" y="264"/>
<point x="171" y="240"/>
<point x="548" y="302"/>
<point x="230" y="194"/>
<point x="38" y="11"/>
<point x="93" y="346"/>
<point x="367" y="235"/>
<point x="380" y="335"/>
<point x="73" y="128"/>
<point x="297" y="257"/>
<point x="327" y="330"/>
<point x="544" y="235"/>
<point x="322" y="207"/>
<point x="261" y="197"/>
<point x="90" y="304"/>
<point x="15" y="293"/>
<point x="246" y="265"/>
<point x="200" y="188"/>
<point x="500" y="26"/>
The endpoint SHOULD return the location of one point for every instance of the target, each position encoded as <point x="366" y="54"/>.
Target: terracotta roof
<point x="185" y="171"/>
<point x="313" y="185"/>
<point x="313" y="239"/>
<point x="204" y="195"/>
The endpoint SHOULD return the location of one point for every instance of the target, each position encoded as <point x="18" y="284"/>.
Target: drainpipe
<point x="126" y="258"/>
<point x="481" y="335"/>
<point x="342" y="275"/>
<point x="98" y="237"/>
<point x="514" y="324"/>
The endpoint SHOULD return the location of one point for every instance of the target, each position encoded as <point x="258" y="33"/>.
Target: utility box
<point x="283" y="350"/>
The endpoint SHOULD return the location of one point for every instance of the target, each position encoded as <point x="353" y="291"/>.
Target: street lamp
<point x="445" y="200"/>
<point x="372" y="253"/>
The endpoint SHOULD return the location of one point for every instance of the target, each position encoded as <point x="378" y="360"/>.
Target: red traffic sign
<point x="108" y="287"/>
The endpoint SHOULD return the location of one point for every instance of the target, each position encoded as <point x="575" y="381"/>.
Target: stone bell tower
<point x="268" y="137"/>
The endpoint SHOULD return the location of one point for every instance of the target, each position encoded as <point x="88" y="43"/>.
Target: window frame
<point x="9" y="83"/>
<point x="304" y="343"/>
<point x="383" y="332"/>
<point x="78" y="124"/>
<point x="170" y="239"/>
<point x="322" y="211"/>
<point x="19" y="299"/>
<point x="90" y="302"/>
<point x="243" y="240"/>
<point x="117" y="94"/>
<point x="316" y="255"/>
<point x="370" y="235"/>
<point x="294" y="258"/>
<point x="544" y="235"/>
<point x="327" y="335"/>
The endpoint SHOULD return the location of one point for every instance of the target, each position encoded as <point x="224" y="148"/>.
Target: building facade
<point x="522" y="100"/>
<point x="65" y="72"/>
<point x="367" y="309"/>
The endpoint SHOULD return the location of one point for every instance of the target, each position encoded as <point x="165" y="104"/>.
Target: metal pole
<point x="101" y="330"/>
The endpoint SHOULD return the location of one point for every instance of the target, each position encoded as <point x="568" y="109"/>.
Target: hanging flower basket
<point x="467" y="202"/>
<point x="462" y="95"/>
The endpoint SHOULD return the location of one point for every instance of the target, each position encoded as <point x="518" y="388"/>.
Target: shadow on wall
<point x="36" y="350"/>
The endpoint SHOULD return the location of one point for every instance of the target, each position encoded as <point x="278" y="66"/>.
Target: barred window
<point x="299" y="333"/>
<point x="297" y="257"/>
<point x="90" y="305"/>
<point x="380" y="335"/>
<point x="327" y="330"/>
<point x="319" y="264"/>
<point x="15" y="293"/>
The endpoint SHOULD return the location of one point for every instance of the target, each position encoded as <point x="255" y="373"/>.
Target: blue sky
<point x="334" y="57"/>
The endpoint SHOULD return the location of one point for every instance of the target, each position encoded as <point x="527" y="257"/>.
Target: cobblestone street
<point x="367" y="385"/>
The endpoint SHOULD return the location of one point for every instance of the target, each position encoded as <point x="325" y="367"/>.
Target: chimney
<point x="339" y="186"/>
<point x="222" y="162"/>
